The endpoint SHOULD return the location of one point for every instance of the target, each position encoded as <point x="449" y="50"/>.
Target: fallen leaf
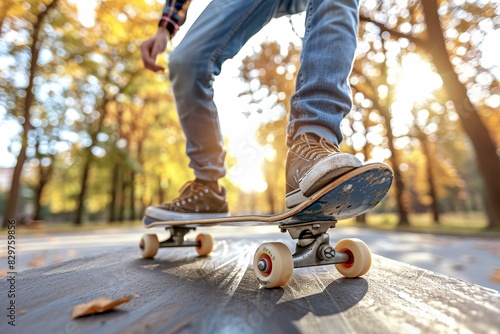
<point x="496" y="276"/>
<point x="98" y="305"/>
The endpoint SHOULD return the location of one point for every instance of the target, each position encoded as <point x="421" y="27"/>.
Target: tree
<point x="29" y="100"/>
<point x="430" y="37"/>
<point x="117" y="63"/>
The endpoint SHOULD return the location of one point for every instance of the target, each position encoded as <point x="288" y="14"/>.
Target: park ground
<point x="471" y="257"/>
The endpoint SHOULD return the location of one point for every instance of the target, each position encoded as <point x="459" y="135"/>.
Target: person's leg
<point x="290" y="7"/>
<point x="322" y="99"/>
<point x="218" y="34"/>
<point x="323" y="95"/>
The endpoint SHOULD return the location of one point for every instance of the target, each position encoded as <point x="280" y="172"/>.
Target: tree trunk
<point x="132" y="215"/>
<point x="38" y="205"/>
<point x="429" y="167"/>
<point x="361" y="219"/>
<point x="484" y="146"/>
<point x="399" y="185"/>
<point x="88" y="164"/>
<point x="114" y="194"/>
<point x="122" y="197"/>
<point x="401" y="193"/>
<point x="271" y="200"/>
<point x="43" y="179"/>
<point x="142" y="183"/>
<point x="161" y="193"/>
<point x="12" y="200"/>
<point x="398" y="177"/>
<point x="271" y="189"/>
<point x="83" y="190"/>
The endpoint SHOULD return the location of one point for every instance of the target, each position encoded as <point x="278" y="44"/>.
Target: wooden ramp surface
<point x="180" y="292"/>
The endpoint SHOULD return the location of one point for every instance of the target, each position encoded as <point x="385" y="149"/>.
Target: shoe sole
<point x="321" y="175"/>
<point x="154" y="213"/>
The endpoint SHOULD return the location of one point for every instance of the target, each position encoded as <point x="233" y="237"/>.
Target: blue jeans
<point x="322" y="96"/>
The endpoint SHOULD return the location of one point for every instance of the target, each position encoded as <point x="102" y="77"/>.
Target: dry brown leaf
<point x="98" y="305"/>
<point x="496" y="276"/>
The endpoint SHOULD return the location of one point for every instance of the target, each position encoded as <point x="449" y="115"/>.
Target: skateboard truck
<point x="178" y="237"/>
<point x="313" y="245"/>
<point x="274" y="263"/>
<point x="149" y="245"/>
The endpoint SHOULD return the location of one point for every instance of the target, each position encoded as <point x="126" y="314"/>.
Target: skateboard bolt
<point x="328" y="252"/>
<point x="263" y="265"/>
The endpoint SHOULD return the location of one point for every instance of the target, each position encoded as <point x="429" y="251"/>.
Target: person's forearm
<point x="163" y="31"/>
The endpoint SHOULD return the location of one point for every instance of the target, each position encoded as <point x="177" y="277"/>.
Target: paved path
<point x="467" y="258"/>
<point x="180" y="292"/>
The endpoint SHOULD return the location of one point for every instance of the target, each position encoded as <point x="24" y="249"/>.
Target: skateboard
<point x="348" y="196"/>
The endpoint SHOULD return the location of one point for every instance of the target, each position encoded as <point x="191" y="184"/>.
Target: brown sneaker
<point x="196" y="200"/>
<point x="311" y="164"/>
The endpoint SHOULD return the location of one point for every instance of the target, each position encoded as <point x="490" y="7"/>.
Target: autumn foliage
<point x="98" y="136"/>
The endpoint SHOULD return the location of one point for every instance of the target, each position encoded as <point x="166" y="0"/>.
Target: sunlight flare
<point x="417" y="82"/>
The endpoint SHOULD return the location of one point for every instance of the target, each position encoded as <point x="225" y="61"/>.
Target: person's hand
<point x="151" y="48"/>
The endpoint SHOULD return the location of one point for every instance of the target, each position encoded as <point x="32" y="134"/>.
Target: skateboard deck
<point x="348" y="196"/>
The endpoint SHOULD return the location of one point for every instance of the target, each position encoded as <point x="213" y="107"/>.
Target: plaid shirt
<point x="174" y="15"/>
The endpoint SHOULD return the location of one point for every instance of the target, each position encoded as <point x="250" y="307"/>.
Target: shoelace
<point x="311" y="149"/>
<point x="189" y="192"/>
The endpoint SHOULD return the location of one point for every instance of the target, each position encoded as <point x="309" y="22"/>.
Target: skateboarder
<point x="322" y="97"/>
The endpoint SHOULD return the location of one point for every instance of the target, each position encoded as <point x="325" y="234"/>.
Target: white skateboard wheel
<point x="149" y="246"/>
<point x="360" y="257"/>
<point x="206" y="244"/>
<point x="273" y="264"/>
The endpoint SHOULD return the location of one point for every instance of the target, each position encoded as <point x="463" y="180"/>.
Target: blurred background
<point x="88" y="137"/>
